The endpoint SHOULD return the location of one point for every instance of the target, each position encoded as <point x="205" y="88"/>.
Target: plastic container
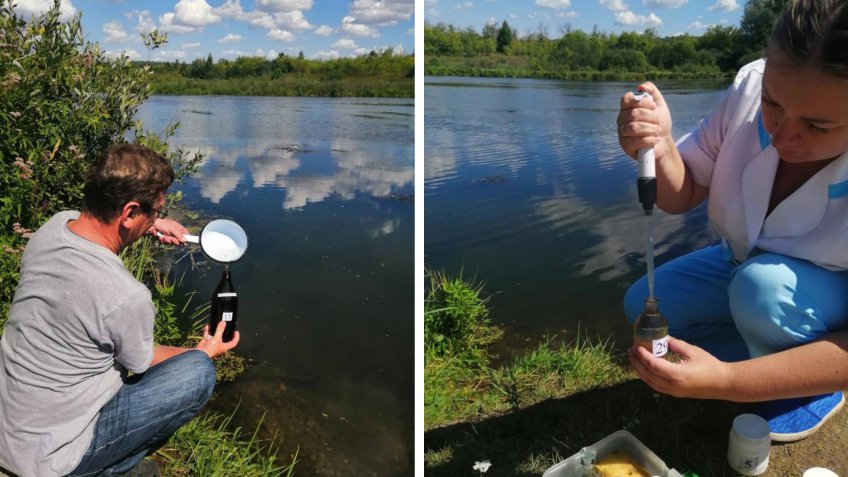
<point x="749" y="444"/>
<point x="621" y="441"/>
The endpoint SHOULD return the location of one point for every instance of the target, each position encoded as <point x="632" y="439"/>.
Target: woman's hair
<point x="125" y="173"/>
<point x="814" y="33"/>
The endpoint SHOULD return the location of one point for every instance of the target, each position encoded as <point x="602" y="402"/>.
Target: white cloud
<point x="327" y="55"/>
<point x="270" y="55"/>
<point x="433" y="13"/>
<point x="344" y="43"/>
<point x="230" y="38"/>
<point x="235" y="53"/>
<point x="189" y="46"/>
<point x="283" y="5"/>
<point x="698" y="25"/>
<point x="463" y="6"/>
<point x="167" y="24"/>
<point x="170" y="55"/>
<point x="36" y="7"/>
<point x="410" y="31"/>
<point x="131" y="54"/>
<point x="195" y="13"/>
<point x="614" y="5"/>
<point x="396" y="50"/>
<point x="293" y="20"/>
<point x="430" y="3"/>
<point x="230" y="8"/>
<point x="555" y="4"/>
<point x="350" y="26"/>
<point x="259" y="19"/>
<point x="382" y="12"/>
<point x="324" y="30"/>
<point x="631" y="19"/>
<point x="113" y="32"/>
<point x="145" y="22"/>
<point x="282" y="35"/>
<point x="724" y="6"/>
<point x="664" y="3"/>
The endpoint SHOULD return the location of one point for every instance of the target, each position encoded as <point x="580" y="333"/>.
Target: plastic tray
<point x="622" y="441"/>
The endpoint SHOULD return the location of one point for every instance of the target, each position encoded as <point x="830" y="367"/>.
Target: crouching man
<point x="79" y="322"/>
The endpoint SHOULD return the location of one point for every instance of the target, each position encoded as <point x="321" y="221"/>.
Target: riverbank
<point x="540" y="407"/>
<point x="503" y="66"/>
<point x="290" y="85"/>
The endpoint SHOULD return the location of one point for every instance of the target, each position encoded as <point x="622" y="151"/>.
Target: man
<point x="80" y="321"/>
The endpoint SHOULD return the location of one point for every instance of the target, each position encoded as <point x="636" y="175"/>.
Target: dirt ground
<point x="688" y="435"/>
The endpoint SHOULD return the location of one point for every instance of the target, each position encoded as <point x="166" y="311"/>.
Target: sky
<point x="321" y="29"/>
<point x="668" y="17"/>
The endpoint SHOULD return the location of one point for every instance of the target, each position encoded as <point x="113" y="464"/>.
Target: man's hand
<point x="213" y="345"/>
<point x="697" y="375"/>
<point x="171" y="231"/>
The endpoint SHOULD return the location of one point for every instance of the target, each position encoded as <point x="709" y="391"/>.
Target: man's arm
<point x="814" y="368"/>
<point x="212" y="345"/>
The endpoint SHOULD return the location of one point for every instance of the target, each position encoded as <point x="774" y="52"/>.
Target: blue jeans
<point x="766" y="304"/>
<point x="148" y="408"/>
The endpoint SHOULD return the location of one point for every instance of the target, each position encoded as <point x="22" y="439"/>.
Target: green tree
<point x="726" y="45"/>
<point x="504" y="37"/>
<point x="62" y="104"/>
<point x="757" y="23"/>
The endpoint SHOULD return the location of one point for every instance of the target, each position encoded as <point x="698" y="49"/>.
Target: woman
<point x="767" y="306"/>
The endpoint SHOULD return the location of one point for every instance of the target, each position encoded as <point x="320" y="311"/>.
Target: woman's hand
<point x="168" y="231"/>
<point x="697" y="375"/>
<point x="646" y="123"/>
<point x="213" y="345"/>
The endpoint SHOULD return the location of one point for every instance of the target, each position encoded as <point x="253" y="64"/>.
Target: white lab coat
<point x="731" y="153"/>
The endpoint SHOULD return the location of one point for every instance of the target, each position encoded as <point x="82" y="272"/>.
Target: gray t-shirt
<point x="78" y="321"/>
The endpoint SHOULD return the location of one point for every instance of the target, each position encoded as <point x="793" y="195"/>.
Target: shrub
<point x="62" y="104"/>
<point x="456" y="318"/>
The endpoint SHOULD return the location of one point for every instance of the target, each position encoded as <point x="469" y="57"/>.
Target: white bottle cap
<point x="819" y="472"/>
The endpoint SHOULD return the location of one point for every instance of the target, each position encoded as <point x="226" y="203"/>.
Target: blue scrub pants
<point x="763" y="305"/>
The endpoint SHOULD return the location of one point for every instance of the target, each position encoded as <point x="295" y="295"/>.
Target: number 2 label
<point x="660" y="347"/>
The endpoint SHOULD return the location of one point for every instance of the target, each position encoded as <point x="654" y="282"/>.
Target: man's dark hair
<point x="814" y="33"/>
<point x="125" y="173"/>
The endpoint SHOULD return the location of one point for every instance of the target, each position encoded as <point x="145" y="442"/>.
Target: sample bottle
<point x="224" y="307"/>
<point x="651" y="329"/>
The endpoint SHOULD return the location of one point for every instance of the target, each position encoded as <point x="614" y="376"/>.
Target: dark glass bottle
<point x="651" y="329"/>
<point x="224" y="307"/>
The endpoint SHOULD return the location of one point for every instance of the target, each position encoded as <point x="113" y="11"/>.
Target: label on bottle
<point x="227" y="316"/>
<point x="659" y="347"/>
<point x="224" y="295"/>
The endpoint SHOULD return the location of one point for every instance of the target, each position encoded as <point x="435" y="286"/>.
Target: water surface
<point x="323" y="189"/>
<point x="527" y="190"/>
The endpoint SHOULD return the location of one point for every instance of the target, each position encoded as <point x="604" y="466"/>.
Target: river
<point x="527" y="190"/>
<point x="323" y="187"/>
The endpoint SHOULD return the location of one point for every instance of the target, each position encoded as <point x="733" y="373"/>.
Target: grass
<point x="527" y="412"/>
<point x="205" y="446"/>
<point x="464" y="392"/>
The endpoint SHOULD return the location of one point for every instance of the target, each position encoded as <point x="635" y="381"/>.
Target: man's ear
<point x="130" y="212"/>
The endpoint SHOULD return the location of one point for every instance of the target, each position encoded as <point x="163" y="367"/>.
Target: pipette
<point x="646" y="185"/>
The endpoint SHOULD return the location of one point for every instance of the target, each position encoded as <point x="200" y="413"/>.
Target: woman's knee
<point x="634" y="299"/>
<point x="763" y="305"/>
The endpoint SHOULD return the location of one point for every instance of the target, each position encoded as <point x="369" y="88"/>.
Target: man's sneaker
<point x="145" y="468"/>
<point x="794" y="419"/>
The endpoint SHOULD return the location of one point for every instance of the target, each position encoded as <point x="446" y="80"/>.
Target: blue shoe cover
<point x="794" y="419"/>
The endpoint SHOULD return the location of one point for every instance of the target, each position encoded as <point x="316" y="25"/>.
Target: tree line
<point x="377" y="74"/>
<point x="721" y="50"/>
<point x="384" y="63"/>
